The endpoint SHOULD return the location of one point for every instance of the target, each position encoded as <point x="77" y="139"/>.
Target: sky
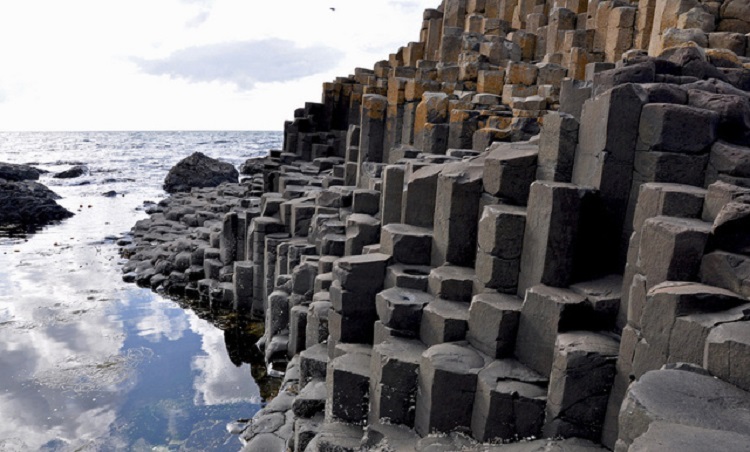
<point x="80" y="65"/>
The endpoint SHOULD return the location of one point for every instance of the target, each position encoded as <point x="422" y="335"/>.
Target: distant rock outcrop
<point x="15" y="172"/>
<point x="28" y="204"/>
<point x="198" y="170"/>
<point x="76" y="171"/>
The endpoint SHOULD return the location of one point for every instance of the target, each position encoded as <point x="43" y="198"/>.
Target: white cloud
<point x="73" y="67"/>
<point x="218" y="381"/>
<point x="244" y="63"/>
<point x="198" y="19"/>
<point x="159" y="324"/>
<point x="46" y="361"/>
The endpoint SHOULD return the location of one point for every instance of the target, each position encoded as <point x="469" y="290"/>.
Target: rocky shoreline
<point x="531" y="223"/>
<point x="26" y="204"/>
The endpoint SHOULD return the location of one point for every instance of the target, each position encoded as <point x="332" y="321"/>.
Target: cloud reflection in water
<point x="89" y="362"/>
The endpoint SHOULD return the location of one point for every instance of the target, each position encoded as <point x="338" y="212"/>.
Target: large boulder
<point x="28" y="204"/>
<point x="73" y="172"/>
<point x="14" y="172"/>
<point x="199" y="170"/>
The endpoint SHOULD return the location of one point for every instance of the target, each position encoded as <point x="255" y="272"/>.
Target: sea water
<point x="88" y="362"/>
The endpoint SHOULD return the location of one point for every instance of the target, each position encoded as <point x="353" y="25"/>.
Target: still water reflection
<point x="88" y="362"/>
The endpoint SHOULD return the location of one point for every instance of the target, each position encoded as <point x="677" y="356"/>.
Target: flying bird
<point x="332" y="9"/>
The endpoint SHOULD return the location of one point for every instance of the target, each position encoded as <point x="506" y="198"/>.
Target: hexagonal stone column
<point x="509" y="402"/>
<point x="582" y="375"/>
<point x="348" y="386"/>
<point x="447" y="383"/>
<point x="393" y="384"/>
<point x="401" y="309"/>
<point x="459" y="189"/>
<point x="493" y="323"/>
<point x="406" y="243"/>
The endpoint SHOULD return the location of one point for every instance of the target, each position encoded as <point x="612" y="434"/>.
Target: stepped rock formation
<point x="533" y="222"/>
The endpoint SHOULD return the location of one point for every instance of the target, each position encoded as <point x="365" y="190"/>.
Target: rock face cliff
<point x="533" y="222"/>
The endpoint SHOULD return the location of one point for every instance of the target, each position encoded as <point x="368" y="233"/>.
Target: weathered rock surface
<point x="72" y="173"/>
<point x="252" y="166"/>
<point x="13" y="172"/>
<point x="689" y="398"/>
<point x="29" y="204"/>
<point x="198" y="170"/>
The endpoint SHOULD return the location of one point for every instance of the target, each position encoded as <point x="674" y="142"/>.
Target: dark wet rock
<point x="152" y="208"/>
<point x="733" y="111"/>
<point x="15" y="173"/>
<point x="252" y="166"/>
<point x="110" y="194"/>
<point x="198" y="170"/>
<point x="29" y="204"/>
<point x="729" y="231"/>
<point x="76" y="171"/>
